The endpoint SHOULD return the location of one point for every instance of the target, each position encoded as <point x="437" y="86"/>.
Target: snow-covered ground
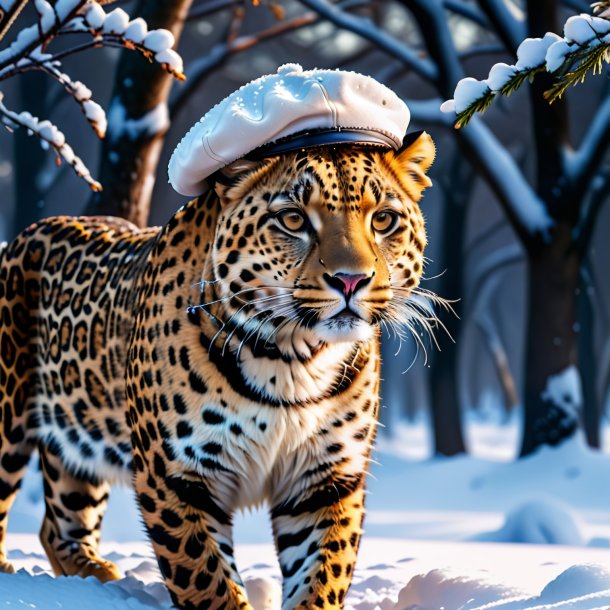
<point x="440" y="533"/>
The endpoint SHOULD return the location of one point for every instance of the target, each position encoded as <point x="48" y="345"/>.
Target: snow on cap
<point x="284" y="111"/>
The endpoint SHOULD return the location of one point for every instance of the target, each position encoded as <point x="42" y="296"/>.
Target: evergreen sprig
<point x="583" y="59"/>
<point x="589" y="60"/>
<point x="479" y="105"/>
<point x="600" y="7"/>
<point x="483" y="103"/>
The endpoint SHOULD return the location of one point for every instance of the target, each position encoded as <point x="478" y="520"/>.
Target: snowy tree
<point x="144" y="101"/>
<point x="584" y="48"/>
<point x="85" y="24"/>
<point x="138" y="121"/>
<point x="555" y="216"/>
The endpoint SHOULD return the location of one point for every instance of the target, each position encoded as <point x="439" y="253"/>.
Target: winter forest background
<point x="517" y="227"/>
<point x="480" y="249"/>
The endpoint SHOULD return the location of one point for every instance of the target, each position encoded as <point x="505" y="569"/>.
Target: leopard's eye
<point x="384" y="222"/>
<point x="292" y="219"/>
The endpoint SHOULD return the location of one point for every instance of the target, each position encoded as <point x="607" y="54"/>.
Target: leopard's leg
<point x="17" y="424"/>
<point x="317" y="534"/>
<point x="14" y="457"/>
<point x="191" y="534"/>
<point x="70" y="532"/>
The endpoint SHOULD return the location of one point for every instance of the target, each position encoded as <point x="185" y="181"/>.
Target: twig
<point x="208" y="8"/>
<point x="222" y="51"/>
<point x="369" y="31"/>
<point x="468" y="11"/>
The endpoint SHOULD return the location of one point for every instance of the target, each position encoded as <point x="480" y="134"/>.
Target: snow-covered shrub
<point x="578" y="580"/>
<point x="538" y="522"/>
<point x="88" y="23"/>
<point x="448" y="589"/>
<point x="584" y="47"/>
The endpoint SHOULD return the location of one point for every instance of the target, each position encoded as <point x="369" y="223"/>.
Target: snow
<point x="46" y="14"/>
<point x="532" y="51"/>
<point x="579" y="29"/>
<point x="95" y="16"/>
<point x="391" y="575"/>
<point x="136" y="30"/>
<point x="468" y="91"/>
<point x="80" y="91"/>
<point x="448" y="106"/>
<point x="550" y="52"/>
<point x="116" y="22"/>
<point x="96" y="116"/>
<point x="599" y="25"/>
<point x="153" y="122"/>
<point x="25" y="38"/>
<point x="64" y="7"/>
<point x="499" y="75"/>
<point x="449" y="589"/>
<point x="557" y="54"/>
<point x="171" y="58"/>
<point x="564" y="391"/>
<point x="440" y="533"/>
<point x="159" y="40"/>
<point x="541" y="521"/>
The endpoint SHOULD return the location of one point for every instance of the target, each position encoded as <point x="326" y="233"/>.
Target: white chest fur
<point x="250" y="452"/>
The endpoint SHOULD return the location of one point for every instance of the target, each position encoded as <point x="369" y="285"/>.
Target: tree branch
<point x="432" y="22"/>
<point x="509" y="26"/>
<point x="526" y="212"/>
<point x="578" y="6"/>
<point x="481" y="49"/>
<point x="467" y="11"/>
<point x="20" y="49"/>
<point x="369" y="31"/>
<point x="203" y="67"/>
<point x="590" y="154"/>
<point x="549" y="122"/>
<point x="590" y="209"/>
<point x="208" y="8"/>
<point x="8" y="16"/>
<point x="137" y="123"/>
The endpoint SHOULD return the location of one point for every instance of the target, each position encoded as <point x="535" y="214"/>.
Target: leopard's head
<point x="321" y="245"/>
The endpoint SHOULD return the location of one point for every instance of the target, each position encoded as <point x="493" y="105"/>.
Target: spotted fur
<point x="219" y="361"/>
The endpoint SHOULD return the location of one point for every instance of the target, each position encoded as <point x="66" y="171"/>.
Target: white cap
<point x="294" y="109"/>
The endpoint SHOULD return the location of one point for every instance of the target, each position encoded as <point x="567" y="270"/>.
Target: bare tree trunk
<point x="587" y="362"/>
<point x="500" y="360"/>
<point x="552" y="343"/>
<point x="554" y="269"/>
<point x="138" y="121"/>
<point x="31" y="158"/>
<point x="444" y="395"/>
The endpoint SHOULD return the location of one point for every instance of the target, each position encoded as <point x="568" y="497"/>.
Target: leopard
<point x="228" y="359"/>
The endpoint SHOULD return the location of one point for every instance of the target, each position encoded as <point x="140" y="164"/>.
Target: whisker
<point x="230" y="335"/>
<point x="434" y="277"/>
<point x="224" y="324"/>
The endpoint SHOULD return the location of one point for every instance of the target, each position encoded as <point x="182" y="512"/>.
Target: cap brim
<point x="323" y="137"/>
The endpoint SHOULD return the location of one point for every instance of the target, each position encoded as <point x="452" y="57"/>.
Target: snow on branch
<point x="31" y="51"/>
<point x="50" y="136"/>
<point x="584" y="47"/>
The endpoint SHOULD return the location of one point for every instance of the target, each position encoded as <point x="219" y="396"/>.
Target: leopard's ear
<point x="413" y="159"/>
<point x="231" y="181"/>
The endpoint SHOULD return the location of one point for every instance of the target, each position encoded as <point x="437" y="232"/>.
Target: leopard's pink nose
<point x="347" y="283"/>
